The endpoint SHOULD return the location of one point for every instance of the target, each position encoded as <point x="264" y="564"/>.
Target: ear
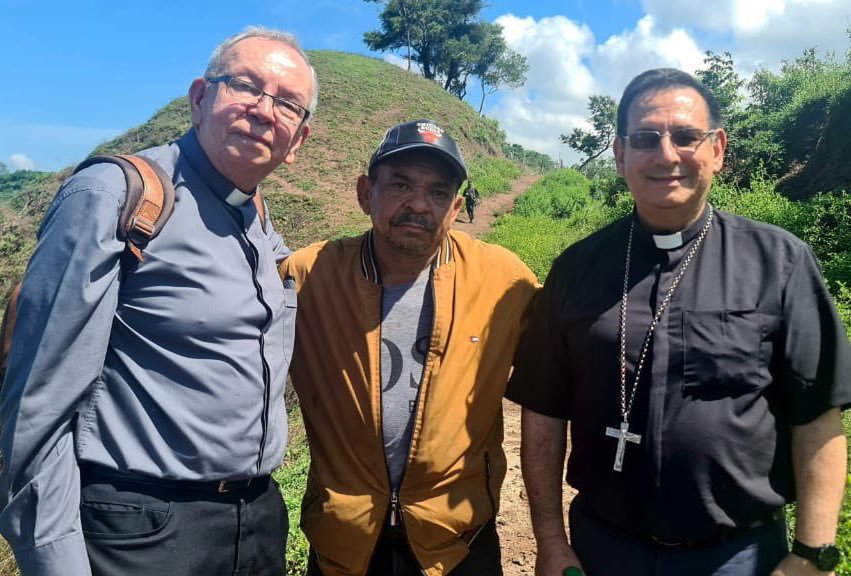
<point x="364" y="193"/>
<point x="197" y="90"/>
<point x="298" y="139"/>
<point x="618" y="147"/>
<point x="719" y="145"/>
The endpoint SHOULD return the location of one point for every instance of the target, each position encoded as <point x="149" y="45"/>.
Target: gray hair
<point x="218" y="66"/>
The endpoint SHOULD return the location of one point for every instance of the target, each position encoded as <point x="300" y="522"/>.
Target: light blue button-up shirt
<point x="177" y="370"/>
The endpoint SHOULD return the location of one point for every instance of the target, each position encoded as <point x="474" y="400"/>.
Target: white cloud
<point x="401" y="62"/>
<point x="761" y="32"/>
<point x="567" y="65"/>
<point x="21" y="162"/>
<point x="622" y="57"/>
<point x="558" y="83"/>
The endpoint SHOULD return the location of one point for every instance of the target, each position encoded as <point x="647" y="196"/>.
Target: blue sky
<point x="80" y="72"/>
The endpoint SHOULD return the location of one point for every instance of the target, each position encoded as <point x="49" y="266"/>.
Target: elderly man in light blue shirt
<point x="142" y="410"/>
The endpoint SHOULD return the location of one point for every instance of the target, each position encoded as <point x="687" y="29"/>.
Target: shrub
<point x="559" y="194"/>
<point x="537" y="240"/>
<point x="492" y="175"/>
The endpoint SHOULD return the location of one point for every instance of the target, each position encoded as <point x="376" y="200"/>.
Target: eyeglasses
<point x="243" y="91"/>
<point x="684" y="139"/>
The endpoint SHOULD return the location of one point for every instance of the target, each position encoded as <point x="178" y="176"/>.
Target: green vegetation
<point x="557" y="195"/>
<point x="843" y="537"/>
<point x="492" y="175"/>
<point x="593" y="143"/>
<point x="292" y="477"/>
<point x="555" y="212"/>
<point x="534" y="161"/>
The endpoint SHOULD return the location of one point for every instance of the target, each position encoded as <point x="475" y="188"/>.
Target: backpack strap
<point x="149" y="202"/>
<point x="260" y="206"/>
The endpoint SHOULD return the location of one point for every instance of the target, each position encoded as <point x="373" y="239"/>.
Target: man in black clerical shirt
<point x="702" y="367"/>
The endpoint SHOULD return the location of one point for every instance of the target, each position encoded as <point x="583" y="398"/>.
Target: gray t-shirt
<point x="406" y="320"/>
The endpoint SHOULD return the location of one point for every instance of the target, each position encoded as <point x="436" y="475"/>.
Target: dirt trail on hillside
<point x="492" y="206"/>
<point x="513" y="523"/>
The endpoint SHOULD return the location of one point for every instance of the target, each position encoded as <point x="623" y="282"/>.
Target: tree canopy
<point x="450" y="43"/>
<point x="593" y="143"/>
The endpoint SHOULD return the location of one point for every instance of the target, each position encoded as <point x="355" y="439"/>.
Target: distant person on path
<point x="401" y="372"/>
<point x="471" y="199"/>
<point x="701" y="364"/>
<point x="142" y="410"/>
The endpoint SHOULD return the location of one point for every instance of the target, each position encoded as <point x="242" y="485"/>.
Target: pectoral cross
<point x="623" y="435"/>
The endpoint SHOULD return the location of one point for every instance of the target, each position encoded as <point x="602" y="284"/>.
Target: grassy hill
<point x="359" y="98"/>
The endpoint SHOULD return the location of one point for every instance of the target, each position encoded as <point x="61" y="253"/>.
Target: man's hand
<point x="793" y="565"/>
<point x="554" y="555"/>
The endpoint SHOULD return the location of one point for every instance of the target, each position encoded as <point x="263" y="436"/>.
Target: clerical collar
<point x="668" y="241"/>
<point x="674" y="240"/>
<point x="191" y="148"/>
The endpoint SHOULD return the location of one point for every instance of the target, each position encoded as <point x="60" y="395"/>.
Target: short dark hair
<point x="658" y="80"/>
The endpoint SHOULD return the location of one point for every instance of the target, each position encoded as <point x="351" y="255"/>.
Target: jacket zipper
<point x="395" y="506"/>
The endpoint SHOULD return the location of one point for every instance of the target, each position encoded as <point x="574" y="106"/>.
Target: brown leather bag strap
<point x="260" y="205"/>
<point x="149" y="202"/>
<point x="8" y="327"/>
<point x="148" y="206"/>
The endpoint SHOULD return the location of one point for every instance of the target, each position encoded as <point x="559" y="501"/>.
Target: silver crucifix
<point x="623" y="435"/>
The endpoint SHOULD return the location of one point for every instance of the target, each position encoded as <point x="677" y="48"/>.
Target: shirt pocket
<point x="723" y="351"/>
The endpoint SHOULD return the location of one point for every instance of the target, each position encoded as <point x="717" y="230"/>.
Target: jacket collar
<point x="369" y="263"/>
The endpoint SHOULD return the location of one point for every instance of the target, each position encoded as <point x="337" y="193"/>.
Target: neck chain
<point x="622" y="434"/>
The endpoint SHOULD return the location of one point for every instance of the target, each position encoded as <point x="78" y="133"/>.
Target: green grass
<point x="492" y="175"/>
<point x="292" y="478"/>
<point x="843" y="536"/>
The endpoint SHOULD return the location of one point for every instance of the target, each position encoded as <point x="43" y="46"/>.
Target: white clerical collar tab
<point x="668" y="241"/>
<point x="238" y="197"/>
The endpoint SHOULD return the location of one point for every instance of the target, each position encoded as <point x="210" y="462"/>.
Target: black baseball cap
<point x="420" y="135"/>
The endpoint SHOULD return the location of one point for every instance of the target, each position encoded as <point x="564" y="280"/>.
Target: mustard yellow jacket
<point x="456" y="464"/>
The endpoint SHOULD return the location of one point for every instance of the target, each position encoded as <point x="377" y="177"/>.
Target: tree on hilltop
<point x="450" y="43"/>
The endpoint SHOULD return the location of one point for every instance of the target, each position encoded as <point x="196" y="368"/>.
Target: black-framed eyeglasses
<point x="686" y="139"/>
<point x="244" y="91"/>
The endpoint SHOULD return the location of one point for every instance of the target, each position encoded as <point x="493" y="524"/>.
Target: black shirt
<point x="749" y="346"/>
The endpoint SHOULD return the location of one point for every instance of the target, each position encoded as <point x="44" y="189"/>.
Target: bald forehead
<point x="277" y="56"/>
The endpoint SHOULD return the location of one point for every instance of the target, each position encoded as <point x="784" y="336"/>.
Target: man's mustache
<point x="415" y="219"/>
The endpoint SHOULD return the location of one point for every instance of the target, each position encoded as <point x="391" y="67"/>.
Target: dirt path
<point x="491" y="206"/>
<point x="513" y="523"/>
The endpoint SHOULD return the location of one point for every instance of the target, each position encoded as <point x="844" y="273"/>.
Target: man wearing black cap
<point x="401" y="370"/>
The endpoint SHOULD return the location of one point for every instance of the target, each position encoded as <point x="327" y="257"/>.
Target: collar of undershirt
<point x="369" y="263"/>
<point x="191" y="148"/>
<point x="675" y="240"/>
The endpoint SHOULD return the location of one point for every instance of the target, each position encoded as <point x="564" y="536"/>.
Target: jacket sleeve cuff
<point x="66" y="556"/>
